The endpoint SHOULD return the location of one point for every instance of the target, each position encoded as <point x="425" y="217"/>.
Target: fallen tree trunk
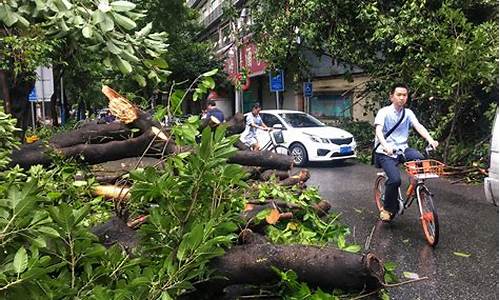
<point x="111" y="171"/>
<point x="262" y="158"/>
<point x="324" y="267"/>
<point x="236" y="124"/>
<point x="96" y="143"/>
<point x="91" y="134"/>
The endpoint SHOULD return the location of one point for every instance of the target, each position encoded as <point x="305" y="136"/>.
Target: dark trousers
<point x="390" y="166"/>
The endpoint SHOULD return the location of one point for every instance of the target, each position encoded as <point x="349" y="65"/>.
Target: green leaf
<point x="210" y="73"/>
<point x="390" y="266"/>
<point x="209" y="83"/>
<point x="124" y="22"/>
<point x="384" y="295"/>
<point x="165" y="296"/>
<point x="87" y="31"/>
<point x="67" y="5"/>
<point x="140" y="80"/>
<point x="10" y="18"/>
<point x="113" y="48"/>
<point x="160" y="63"/>
<point x="122" y="5"/>
<point x="79" y="183"/>
<point x="49" y="231"/>
<point x="107" y="23"/>
<point x="461" y="254"/>
<point x="20" y="260"/>
<point x="352" y="248"/>
<point x="124" y="66"/>
<point x="145" y="31"/>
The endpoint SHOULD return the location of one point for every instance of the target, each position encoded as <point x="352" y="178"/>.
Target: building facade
<point x="333" y="96"/>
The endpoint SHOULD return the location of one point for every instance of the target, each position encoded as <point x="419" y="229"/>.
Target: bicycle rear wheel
<point x="428" y="216"/>
<point x="379" y="191"/>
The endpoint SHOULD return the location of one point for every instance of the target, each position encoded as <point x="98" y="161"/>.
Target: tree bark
<point x="5" y="94"/>
<point x="280" y="175"/>
<point x="262" y="158"/>
<point x="236" y="124"/>
<point x="91" y="134"/>
<point x="324" y="267"/>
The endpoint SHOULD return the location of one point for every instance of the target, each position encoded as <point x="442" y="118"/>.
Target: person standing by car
<point x="253" y="122"/>
<point x="400" y="118"/>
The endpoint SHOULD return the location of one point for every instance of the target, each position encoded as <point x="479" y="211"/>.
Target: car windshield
<point x="299" y="120"/>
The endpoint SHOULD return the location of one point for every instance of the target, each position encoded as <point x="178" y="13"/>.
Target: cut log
<point x="324" y="267"/>
<point x="236" y="124"/>
<point x="262" y="158"/>
<point x="278" y="211"/>
<point x="298" y="178"/>
<point x="112" y="192"/>
<point x="280" y="174"/>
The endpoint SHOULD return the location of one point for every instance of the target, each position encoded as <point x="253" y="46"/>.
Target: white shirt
<point x="388" y="117"/>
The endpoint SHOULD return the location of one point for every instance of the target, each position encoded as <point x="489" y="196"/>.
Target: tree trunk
<point x="57" y="71"/>
<point x="452" y="131"/>
<point x="324" y="267"/>
<point x="4" y="92"/>
<point x="20" y="109"/>
<point x="267" y="159"/>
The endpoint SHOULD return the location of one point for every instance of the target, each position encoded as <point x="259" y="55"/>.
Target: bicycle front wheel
<point x="379" y="191"/>
<point x="428" y="216"/>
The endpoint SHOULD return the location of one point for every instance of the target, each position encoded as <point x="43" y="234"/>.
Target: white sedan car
<point x="307" y="138"/>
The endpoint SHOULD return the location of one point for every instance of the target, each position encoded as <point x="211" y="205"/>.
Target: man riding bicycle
<point x="253" y="122"/>
<point x="395" y="120"/>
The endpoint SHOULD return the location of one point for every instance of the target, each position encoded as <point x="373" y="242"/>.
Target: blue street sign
<point x="308" y="89"/>
<point x="277" y="82"/>
<point x="32" y="96"/>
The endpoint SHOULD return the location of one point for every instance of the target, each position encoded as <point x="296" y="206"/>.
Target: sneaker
<point x="385" y="215"/>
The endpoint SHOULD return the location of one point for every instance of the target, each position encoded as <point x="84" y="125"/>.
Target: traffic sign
<point x="277" y="82"/>
<point x="308" y="89"/>
<point x="32" y="96"/>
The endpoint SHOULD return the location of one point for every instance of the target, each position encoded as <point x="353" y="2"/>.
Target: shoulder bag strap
<point x="388" y="133"/>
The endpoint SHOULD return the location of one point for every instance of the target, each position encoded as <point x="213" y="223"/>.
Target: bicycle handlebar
<point x="428" y="149"/>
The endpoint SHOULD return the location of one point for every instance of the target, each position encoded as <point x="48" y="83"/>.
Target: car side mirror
<point x="279" y="126"/>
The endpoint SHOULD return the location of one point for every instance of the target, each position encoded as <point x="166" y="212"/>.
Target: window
<point x="331" y="105"/>
<point x="270" y="120"/>
<point x="301" y="120"/>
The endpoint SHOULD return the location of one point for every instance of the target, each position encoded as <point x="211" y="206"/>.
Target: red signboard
<point x="248" y="60"/>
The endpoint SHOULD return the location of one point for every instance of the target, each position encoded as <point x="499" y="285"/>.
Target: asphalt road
<point x="468" y="224"/>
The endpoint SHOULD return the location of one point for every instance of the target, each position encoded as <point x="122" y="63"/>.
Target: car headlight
<point x="317" y="139"/>
<point x="314" y="138"/>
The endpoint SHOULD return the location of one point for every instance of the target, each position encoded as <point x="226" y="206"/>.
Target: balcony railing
<point x="192" y="3"/>
<point x="217" y="12"/>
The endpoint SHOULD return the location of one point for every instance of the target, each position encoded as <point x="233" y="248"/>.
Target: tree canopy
<point x="446" y="51"/>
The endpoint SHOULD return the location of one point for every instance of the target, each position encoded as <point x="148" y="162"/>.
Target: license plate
<point x="345" y="149"/>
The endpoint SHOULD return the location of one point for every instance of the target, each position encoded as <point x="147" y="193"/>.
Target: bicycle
<point x="419" y="171"/>
<point x="275" y="143"/>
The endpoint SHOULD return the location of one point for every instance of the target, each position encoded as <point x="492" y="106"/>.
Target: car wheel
<point x="299" y="154"/>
